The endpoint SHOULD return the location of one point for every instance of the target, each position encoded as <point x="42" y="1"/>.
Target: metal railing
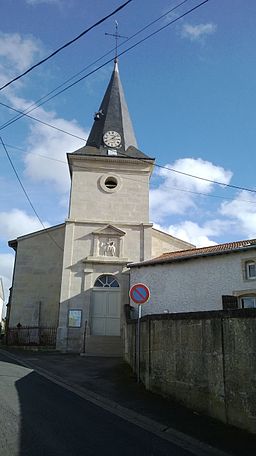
<point x="32" y="336"/>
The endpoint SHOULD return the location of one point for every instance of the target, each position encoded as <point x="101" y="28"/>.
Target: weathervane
<point x="116" y="36"/>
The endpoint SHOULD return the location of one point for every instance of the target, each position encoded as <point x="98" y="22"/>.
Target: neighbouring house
<point x="74" y="276"/>
<point x="200" y="279"/>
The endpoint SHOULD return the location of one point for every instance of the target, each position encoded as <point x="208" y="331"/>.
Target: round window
<point x="110" y="183"/>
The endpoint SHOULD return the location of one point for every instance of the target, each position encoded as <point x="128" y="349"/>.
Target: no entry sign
<point x="139" y="293"/>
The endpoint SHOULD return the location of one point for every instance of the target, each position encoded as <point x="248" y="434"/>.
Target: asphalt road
<point x="39" y="417"/>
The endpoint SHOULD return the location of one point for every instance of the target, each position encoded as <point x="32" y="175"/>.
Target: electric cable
<point x="26" y="194"/>
<point x="42" y="122"/>
<point x="106" y="63"/>
<point x="157" y="165"/>
<point x="237" y="187"/>
<point x="37" y="103"/>
<point x="65" y="45"/>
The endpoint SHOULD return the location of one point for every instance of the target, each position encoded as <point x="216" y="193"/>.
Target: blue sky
<point x="191" y="95"/>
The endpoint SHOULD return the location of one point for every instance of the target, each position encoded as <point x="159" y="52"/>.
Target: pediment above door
<point x="108" y="245"/>
<point x="109" y="230"/>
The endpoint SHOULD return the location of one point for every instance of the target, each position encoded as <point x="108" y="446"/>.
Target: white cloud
<point x="197" y="32"/>
<point x="51" y="143"/>
<point x="169" y="198"/>
<point x="243" y="214"/>
<point x="18" y="52"/>
<point x="6" y="268"/>
<point x="17" y="223"/>
<point x="42" y="140"/>
<point x="200" y="236"/>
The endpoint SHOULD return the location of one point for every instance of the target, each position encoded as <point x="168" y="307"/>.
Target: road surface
<point x="39" y="417"/>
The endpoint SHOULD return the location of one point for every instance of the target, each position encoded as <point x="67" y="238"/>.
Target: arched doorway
<point x="105" y="310"/>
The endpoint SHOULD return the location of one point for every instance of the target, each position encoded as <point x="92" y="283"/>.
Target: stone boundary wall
<point x="205" y="360"/>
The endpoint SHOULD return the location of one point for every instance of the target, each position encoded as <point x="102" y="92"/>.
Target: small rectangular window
<point x="248" y="302"/>
<point x="251" y="270"/>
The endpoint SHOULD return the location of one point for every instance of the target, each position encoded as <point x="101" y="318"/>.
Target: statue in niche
<point x="109" y="248"/>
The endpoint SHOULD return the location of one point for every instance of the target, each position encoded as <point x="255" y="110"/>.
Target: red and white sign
<point x="139" y="293"/>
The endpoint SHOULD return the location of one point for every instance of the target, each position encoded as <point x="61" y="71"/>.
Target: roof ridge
<point x="242" y="242"/>
<point x="216" y="249"/>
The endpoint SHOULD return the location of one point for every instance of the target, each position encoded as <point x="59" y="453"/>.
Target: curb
<point x="178" y="438"/>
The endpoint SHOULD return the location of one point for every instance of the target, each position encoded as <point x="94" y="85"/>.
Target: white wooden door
<point x="105" y="312"/>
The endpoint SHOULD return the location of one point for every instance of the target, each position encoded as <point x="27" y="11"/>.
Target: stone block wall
<point x="206" y="360"/>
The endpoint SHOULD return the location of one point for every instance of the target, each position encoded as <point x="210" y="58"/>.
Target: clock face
<point x="112" y="139"/>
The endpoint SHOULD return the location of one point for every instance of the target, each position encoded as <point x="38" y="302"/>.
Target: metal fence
<point x="32" y="336"/>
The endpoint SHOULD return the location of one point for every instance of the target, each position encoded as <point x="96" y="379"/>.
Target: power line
<point x="42" y="122"/>
<point x="123" y="52"/>
<point x="132" y="47"/>
<point x="223" y="184"/>
<point x="160" y="166"/>
<point x="192" y="175"/>
<point x="66" y="44"/>
<point x="26" y="194"/>
<point x="207" y="180"/>
<point x="106" y="63"/>
<point x="36" y="104"/>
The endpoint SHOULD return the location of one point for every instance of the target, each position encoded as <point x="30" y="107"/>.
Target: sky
<point x="191" y="94"/>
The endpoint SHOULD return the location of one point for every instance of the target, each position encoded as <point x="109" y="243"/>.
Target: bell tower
<point x="107" y="226"/>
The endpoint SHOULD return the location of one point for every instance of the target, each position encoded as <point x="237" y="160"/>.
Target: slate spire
<point x="112" y="121"/>
<point x="113" y="115"/>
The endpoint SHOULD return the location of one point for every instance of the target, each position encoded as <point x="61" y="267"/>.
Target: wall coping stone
<point x="202" y="315"/>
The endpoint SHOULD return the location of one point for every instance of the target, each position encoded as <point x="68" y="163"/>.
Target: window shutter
<point x="229" y="302"/>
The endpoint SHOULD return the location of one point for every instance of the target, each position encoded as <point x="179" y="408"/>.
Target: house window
<point x="248" y="302"/>
<point x="251" y="270"/>
<point x="106" y="281"/>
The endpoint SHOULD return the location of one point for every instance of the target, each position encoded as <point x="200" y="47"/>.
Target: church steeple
<point x="112" y="131"/>
<point x="113" y="116"/>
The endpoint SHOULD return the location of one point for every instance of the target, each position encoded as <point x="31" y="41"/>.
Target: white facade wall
<point x="194" y="285"/>
<point x="92" y="208"/>
<point x="89" y="201"/>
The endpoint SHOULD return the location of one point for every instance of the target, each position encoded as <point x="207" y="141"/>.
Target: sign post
<point x="139" y="294"/>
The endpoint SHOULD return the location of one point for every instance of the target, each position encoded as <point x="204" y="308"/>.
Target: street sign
<point x="139" y="293"/>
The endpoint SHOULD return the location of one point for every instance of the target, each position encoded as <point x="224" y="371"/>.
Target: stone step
<point x="103" y="346"/>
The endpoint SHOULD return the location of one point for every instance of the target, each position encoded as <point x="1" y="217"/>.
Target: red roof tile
<point x="217" y="249"/>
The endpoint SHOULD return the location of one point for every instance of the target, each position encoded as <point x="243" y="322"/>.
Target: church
<point x="75" y="276"/>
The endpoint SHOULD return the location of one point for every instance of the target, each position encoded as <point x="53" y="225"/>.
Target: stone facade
<point x="119" y="221"/>
<point x="36" y="278"/>
<point x="107" y="228"/>
<point x="205" y="360"/>
<point x="163" y="242"/>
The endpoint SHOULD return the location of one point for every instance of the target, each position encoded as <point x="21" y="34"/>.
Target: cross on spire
<point x="116" y="36"/>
